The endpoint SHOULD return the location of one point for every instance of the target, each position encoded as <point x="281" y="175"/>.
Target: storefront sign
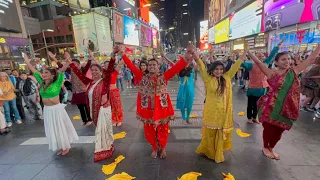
<point x="118" y="27"/>
<point x="204" y="31"/>
<point x="283" y="13"/>
<point x="246" y="22"/>
<point x="221" y="31"/>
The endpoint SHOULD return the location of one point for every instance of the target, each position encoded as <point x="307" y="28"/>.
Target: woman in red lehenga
<point x="98" y="102"/>
<point x="115" y="98"/>
<point x="154" y="106"/>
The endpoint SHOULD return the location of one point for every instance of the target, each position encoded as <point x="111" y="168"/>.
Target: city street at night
<point x="24" y="153"/>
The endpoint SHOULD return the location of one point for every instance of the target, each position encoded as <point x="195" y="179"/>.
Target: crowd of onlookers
<point x="18" y="91"/>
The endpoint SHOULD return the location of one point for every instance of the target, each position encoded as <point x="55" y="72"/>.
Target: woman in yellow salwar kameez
<point x="217" y="114"/>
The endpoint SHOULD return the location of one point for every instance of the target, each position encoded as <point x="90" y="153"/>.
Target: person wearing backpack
<point x="30" y="91"/>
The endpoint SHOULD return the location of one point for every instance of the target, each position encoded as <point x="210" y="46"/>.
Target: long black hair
<point x="221" y="81"/>
<point x="144" y="62"/>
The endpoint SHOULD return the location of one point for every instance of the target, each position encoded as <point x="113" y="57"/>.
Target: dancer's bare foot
<point x="267" y="153"/>
<point x="154" y="154"/>
<point x="163" y="154"/>
<point x="89" y="123"/>
<point x="275" y="155"/>
<point x="114" y="124"/>
<point x="250" y="121"/>
<point x="119" y="124"/>
<point x="256" y="121"/>
<point x="64" y="152"/>
<point x="59" y="152"/>
<point x="189" y="122"/>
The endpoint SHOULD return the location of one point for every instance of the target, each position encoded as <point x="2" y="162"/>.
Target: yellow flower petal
<point x="193" y="115"/>
<point x="76" y="117"/>
<point x="242" y="134"/>
<point x="169" y="131"/>
<point x="108" y="169"/>
<point x="122" y="176"/>
<point x="119" y="135"/>
<point x="190" y="176"/>
<point x="228" y="176"/>
<point x="241" y="113"/>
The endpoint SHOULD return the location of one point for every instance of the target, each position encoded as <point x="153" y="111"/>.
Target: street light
<point x="45" y="43"/>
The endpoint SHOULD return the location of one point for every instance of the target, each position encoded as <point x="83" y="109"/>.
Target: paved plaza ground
<point x="24" y="153"/>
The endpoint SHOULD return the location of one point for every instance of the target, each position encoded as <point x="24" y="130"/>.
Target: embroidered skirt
<point x="116" y="105"/>
<point x="58" y="127"/>
<point x="104" y="135"/>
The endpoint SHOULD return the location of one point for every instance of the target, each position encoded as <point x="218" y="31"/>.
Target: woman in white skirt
<point x="98" y="101"/>
<point x="58" y="126"/>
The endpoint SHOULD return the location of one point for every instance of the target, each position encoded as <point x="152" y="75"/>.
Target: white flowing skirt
<point x="104" y="132"/>
<point x="58" y="127"/>
<point x="2" y="120"/>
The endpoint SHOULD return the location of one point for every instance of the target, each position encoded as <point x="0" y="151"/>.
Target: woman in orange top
<point x="9" y="99"/>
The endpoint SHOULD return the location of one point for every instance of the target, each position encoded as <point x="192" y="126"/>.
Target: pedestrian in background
<point x="9" y="99"/>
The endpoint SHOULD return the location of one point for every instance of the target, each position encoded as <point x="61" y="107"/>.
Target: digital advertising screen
<point x="282" y="13"/>
<point x="211" y="35"/>
<point x="9" y="19"/>
<point x="154" y="20"/>
<point x="125" y="4"/>
<point x="246" y="22"/>
<point x="131" y="35"/>
<point x="217" y="10"/>
<point x="81" y="4"/>
<point x="118" y="27"/>
<point x="154" y="38"/>
<point x="85" y="34"/>
<point x="204" y="31"/>
<point x="221" y="31"/>
<point x="146" y="36"/>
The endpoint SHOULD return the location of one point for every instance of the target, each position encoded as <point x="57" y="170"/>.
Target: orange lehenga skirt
<point x="116" y="105"/>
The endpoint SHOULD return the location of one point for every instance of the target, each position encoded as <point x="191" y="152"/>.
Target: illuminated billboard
<point x="217" y="10"/>
<point x="246" y="22"/>
<point x="81" y="4"/>
<point x="154" y="20"/>
<point x="211" y="35"/>
<point x="283" y="13"/>
<point x="131" y="35"/>
<point x="118" y="27"/>
<point x="9" y="19"/>
<point x="221" y="31"/>
<point x="154" y="38"/>
<point x="146" y="36"/>
<point x="144" y="11"/>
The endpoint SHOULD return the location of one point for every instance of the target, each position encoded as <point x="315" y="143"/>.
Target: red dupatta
<point x="101" y="89"/>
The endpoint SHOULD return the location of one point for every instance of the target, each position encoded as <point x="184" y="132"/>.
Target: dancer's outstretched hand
<point x="67" y="57"/>
<point x="52" y="56"/>
<point x="26" y="58"/>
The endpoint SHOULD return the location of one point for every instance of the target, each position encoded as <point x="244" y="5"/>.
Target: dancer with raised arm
<point x="217" y="113"/>
<point x="154" y="106"/>
<point x="258" y="82"/>
<point x="279" y="108"/>
<point x="59" y="129"/>
<point x="115" y="97"/>
<point x="98" y="102"/>
<point x="78" y="88"/>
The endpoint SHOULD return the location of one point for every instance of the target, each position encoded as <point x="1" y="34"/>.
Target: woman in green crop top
<point x="59" y="129"/>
